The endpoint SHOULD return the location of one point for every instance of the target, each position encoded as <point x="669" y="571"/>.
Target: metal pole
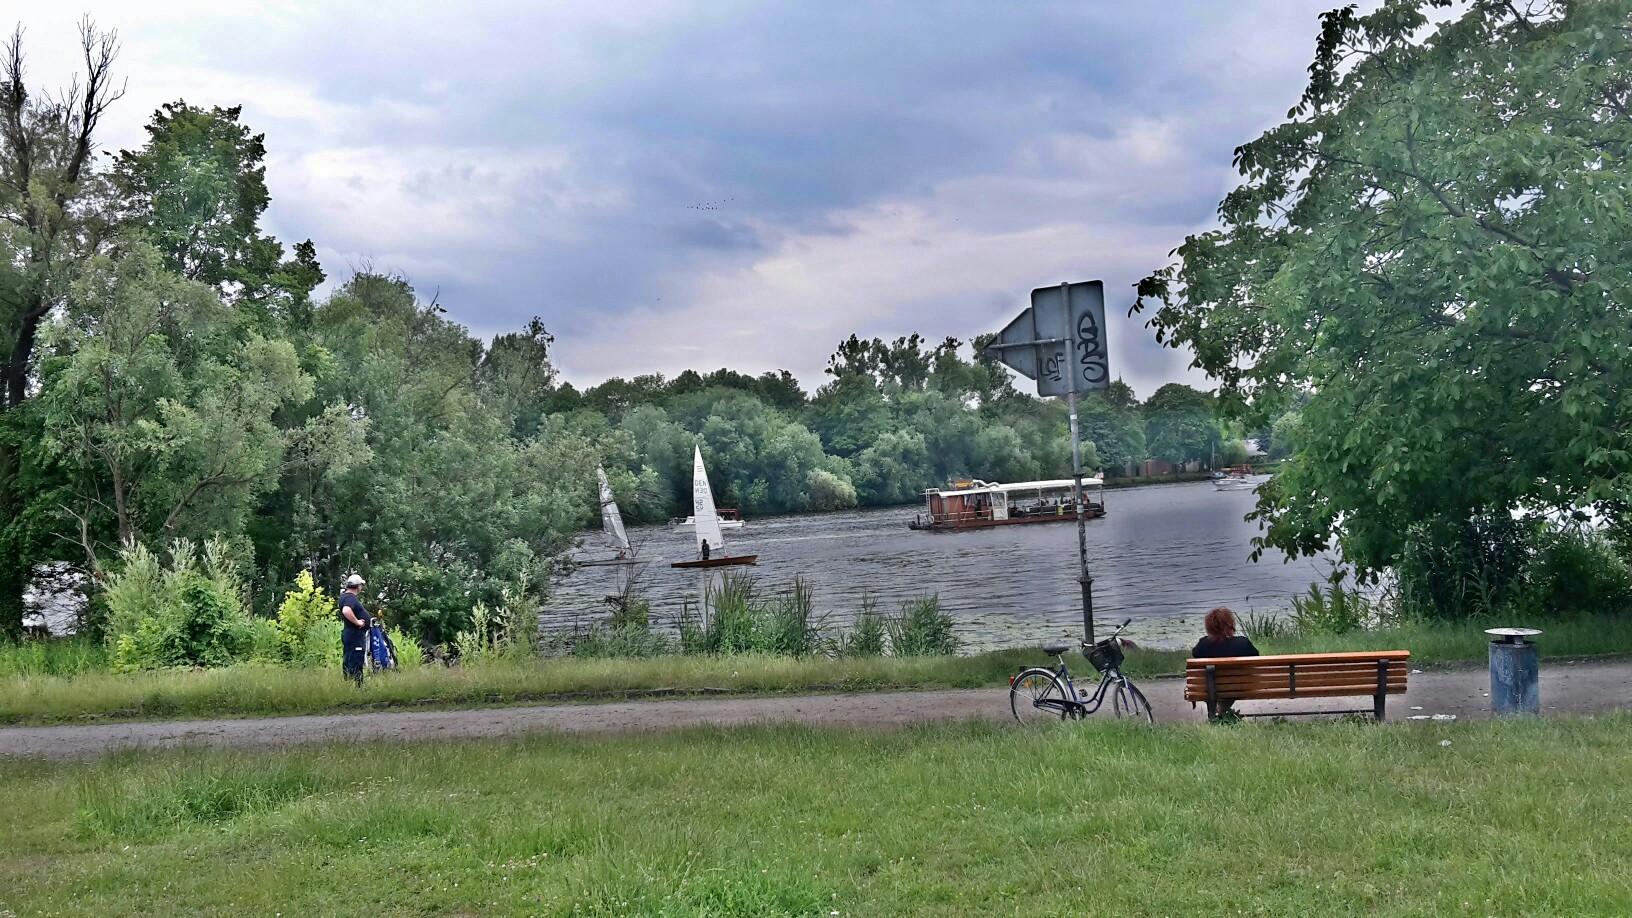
<point x="1084" y="578"/>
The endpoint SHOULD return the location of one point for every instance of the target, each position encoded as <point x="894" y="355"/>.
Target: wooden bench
<point x="1377" y="673"/>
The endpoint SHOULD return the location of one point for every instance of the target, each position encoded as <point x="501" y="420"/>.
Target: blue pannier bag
<point x="380" y="652"/>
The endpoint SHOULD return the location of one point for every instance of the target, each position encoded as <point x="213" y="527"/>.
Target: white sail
<point x="702" y="508"/>
<point x="611" y="519"/>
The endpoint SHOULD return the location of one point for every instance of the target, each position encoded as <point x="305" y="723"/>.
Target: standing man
<point x="354" y="636"/>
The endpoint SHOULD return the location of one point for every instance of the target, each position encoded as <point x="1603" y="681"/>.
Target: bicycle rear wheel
<point x="1036" y="695"/>
<point x="1128" y="702"/>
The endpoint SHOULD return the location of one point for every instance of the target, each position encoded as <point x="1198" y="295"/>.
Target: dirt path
<point x="1565" y="688"/>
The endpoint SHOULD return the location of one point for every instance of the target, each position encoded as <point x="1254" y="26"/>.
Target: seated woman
<point x="1222" y="641"/>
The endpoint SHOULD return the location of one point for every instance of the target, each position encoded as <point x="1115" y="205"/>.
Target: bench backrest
<point x="1296" y="675"/>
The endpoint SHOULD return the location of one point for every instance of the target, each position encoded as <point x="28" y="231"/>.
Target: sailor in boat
<point x="704" y="550"/>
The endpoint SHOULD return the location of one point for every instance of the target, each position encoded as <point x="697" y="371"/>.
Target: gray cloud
<point x="688" y="184"/>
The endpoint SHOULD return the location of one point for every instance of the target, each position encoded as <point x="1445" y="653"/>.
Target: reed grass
<point x="1085" y="818"/>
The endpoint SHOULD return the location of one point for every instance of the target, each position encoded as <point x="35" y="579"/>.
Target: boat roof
<point x="1047" y="485"/>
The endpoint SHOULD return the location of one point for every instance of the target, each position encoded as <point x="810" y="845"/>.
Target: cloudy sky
<point x="706" y="184"/>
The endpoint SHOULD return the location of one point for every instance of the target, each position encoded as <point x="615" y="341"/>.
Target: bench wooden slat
<point x="1253" y="685"/>
<point x="1284" y="658"/>
<point x="1338" y="691"/>
<point x="1243" y="672"/>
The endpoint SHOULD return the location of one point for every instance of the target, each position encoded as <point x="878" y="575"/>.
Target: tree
<point x="1179" y="424"/>
<point x="46" y="224"/>
<point x="197" y="189"/>
<point x="161" y="406"/>
<point x="515" y="376"/>
<point x="1437" y="247"/>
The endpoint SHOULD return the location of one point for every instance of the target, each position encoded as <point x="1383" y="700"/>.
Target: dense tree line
<point x="171" y="376"/>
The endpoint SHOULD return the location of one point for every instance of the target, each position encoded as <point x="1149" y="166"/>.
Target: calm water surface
<point x="1163" y="555"/>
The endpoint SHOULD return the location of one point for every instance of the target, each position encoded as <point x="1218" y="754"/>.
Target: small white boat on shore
<point x="1238" y="478"/>
<point x="728" y="519"/>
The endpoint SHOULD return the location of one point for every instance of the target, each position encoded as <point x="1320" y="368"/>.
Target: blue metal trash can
<point x="1515" y="671"/>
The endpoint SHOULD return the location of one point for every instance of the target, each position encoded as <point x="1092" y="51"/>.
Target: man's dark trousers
<point x="354" y="646"/>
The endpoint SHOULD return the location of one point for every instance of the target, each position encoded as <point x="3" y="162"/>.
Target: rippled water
<point x="1163" y="555"/>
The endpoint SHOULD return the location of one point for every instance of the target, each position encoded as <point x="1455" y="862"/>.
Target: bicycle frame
<point x="1086" y="707"/>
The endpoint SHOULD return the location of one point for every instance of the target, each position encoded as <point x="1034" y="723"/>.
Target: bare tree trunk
<point x="13" y="563"/>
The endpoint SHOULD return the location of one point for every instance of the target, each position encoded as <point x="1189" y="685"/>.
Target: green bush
<point x="922" y="629"/>
<point x="302" y="609"/>
<point x="502" y="632"/>
<point x="868" y="634"/>
<point x="190" y="614"/>
<point x="628" y="640"/>
<point x="1335" y="610"/>
<point x="1574" y="571"/>
<point x="741" y="620"/>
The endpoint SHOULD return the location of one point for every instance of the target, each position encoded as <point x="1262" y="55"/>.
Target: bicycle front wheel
<point x="1036" y="695"/>
<point x="1128" y="702"/>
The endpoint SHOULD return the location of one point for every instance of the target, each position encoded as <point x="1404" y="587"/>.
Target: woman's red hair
<point x="1220" y="624"/>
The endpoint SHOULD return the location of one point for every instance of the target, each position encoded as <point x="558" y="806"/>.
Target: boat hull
<point x="1093" y="513"/>
<point x="718" y="562"/>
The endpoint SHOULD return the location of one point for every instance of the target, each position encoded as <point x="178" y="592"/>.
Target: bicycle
<point x="1039" y="693"/>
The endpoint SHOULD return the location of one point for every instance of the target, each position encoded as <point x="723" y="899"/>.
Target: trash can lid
<point x="1513" y="635"/>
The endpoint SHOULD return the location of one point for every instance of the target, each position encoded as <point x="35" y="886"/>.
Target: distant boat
<point x="729" y="519"/>
<point x="706" y="520"/>
<point x="1238" y="478"/>
<point x="612" y="526"/>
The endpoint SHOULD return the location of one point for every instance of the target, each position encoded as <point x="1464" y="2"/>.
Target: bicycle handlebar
<point x="1117" y="632"/>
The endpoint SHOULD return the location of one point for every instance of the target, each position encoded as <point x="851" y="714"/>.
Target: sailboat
<point x="612" y="525"/>
<point x="707" y="521"/>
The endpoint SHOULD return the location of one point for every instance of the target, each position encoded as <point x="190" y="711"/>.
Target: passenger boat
<point x="976" y="504"/>
<point x="706" y="520"/>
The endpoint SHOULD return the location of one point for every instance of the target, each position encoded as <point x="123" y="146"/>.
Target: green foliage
<point x="922" y="629"/>
<point x="1431" y="254"/>
<point x="1179" y="424"/>
<point x="1334" y="610"/>
<point x="302" y="610"/>
<point x="825" y="490"/>
<point x="191" y="613"/>
<point x="739" y="618"/>
<point x="504" y="632"/>
<point x="868" y="634"/>
<point x="73" y="656"/>
<point x="629" y="640"/>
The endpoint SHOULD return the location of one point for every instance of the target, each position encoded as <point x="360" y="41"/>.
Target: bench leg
<point x="1212" y="693"/>
<point x="1381" y="699"/>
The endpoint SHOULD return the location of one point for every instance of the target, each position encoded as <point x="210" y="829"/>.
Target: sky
<point x="675" y="185"/>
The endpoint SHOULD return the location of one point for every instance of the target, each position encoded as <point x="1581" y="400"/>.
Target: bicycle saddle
<point x="1055" y="650"/>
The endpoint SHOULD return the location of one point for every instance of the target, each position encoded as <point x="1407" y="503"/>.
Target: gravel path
<point x="1566" y="687"/>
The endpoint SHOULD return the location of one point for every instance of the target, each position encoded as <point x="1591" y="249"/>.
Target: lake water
<point x="1163" y="555"/>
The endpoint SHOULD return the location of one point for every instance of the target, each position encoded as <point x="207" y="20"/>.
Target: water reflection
<point x="1164" y="555"/>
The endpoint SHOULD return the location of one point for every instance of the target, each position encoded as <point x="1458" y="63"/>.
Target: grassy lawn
<point x="1307" y="819"/>
<point x="264" y="690"/>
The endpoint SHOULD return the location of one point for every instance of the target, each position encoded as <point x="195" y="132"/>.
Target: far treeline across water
<point x="1418" y="295"/>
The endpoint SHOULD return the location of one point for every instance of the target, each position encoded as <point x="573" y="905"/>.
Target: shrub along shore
<point x="60" y="681"/>
<point x="1318" y="818"/>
